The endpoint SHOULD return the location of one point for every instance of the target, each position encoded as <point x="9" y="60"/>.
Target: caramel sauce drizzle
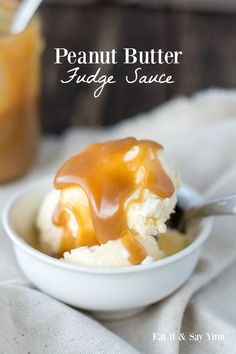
<point x="109" y="179"/>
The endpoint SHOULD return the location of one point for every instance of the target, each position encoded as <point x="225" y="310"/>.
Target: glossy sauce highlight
<point x="109" y="177"/>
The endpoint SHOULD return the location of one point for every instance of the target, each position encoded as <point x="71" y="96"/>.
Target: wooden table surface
<point x="208" y="41"/>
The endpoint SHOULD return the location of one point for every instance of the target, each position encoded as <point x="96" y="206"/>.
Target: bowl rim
<point x="23" y="245"/>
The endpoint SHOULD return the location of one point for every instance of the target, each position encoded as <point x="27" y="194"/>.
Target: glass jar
<point x="19" y="94"/>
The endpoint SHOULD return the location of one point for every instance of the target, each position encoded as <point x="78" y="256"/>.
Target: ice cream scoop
<point x="112" y="198"/>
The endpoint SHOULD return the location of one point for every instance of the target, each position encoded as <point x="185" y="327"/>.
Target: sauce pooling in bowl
<point x="112" y="175"/>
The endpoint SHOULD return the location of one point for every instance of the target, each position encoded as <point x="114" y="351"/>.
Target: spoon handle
<point x="23" y="15"/>
<point x="218" y="206"/>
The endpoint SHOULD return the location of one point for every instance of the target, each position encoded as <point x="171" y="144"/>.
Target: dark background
<point x="207" y="39"/>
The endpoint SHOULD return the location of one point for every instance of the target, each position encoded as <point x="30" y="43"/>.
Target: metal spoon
<point x="23" y="15"/>
<point x="225" y="205"/>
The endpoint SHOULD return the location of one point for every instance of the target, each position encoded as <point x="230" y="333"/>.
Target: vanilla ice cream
<point x="145" y="215"/>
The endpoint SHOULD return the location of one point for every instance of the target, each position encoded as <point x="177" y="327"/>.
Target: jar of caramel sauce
<point x="19" y="94"/>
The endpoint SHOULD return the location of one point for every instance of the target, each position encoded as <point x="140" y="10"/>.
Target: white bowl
<point x="106" y="292"/>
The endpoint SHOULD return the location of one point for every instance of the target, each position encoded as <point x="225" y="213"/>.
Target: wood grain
<point x="207" y="40"/>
